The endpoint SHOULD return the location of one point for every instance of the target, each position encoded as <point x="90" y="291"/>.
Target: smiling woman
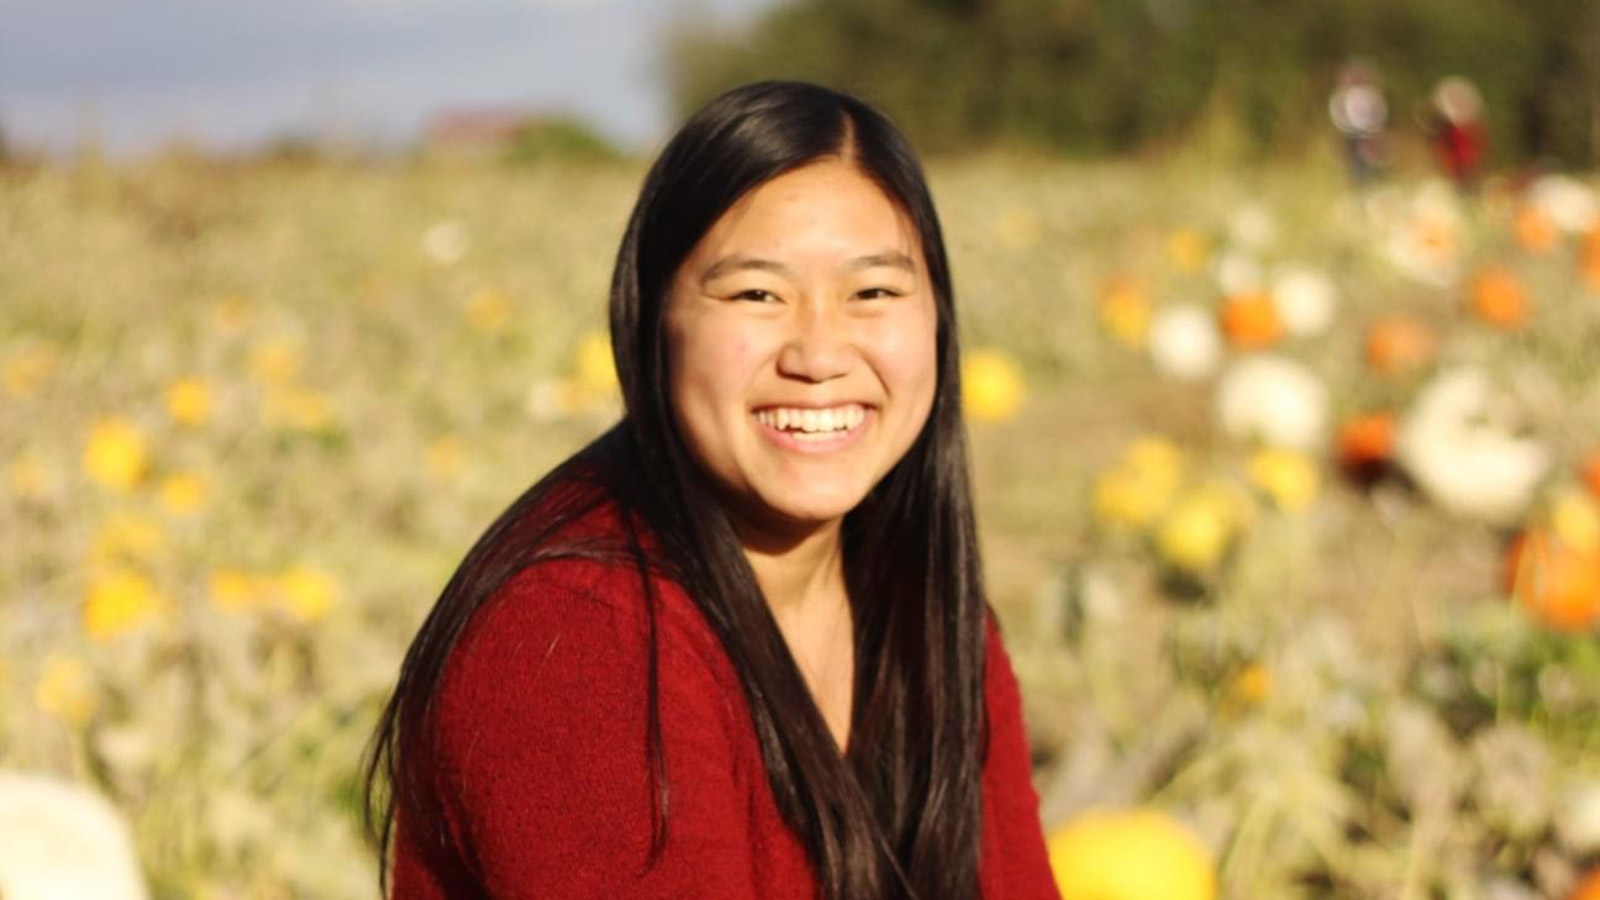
<point x="737" y="647"/>
<point x="801" y="370"/>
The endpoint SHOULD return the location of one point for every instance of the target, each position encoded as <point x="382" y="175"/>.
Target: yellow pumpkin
<point x="1132" y="855"/>
<point x="1289" y="477"/>
<point x="116" y="455"/>
<point x="1139" y="488"/>
<point x="1196" y="531"/>
<point x="991" y="386"/>
<point x="1125" y="311"/>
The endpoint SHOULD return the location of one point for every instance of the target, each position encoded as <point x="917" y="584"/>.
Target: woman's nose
<point x="818" y="347"/>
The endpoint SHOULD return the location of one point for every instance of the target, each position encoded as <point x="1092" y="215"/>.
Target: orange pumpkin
<point x="1534" y="230"/>
<point x="1366" y="440"/>
<point x="1366" y="447"/>
<point x="1499" y="300"/>
<point x="1588" y="887"/>
<point x="1590" y="469"/>
<point x="1589" y="258"/>
<point x="1251" y="320"/>
<point x="1557" y="584"/>
<point x="1398" y="343"/>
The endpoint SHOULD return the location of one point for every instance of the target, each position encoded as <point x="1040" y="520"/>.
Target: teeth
<point x="812" y="421"/>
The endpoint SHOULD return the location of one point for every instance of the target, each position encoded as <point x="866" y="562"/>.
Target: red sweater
<point x="544" y="775"/>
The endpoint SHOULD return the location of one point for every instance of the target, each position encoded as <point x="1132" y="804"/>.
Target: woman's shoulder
<point x="1001" y="690"/>
<point x="539" y="736"/>
<point x="563" y="651"/>
<point x="996" y="661"/>
<point x="551" y="595"/>
<point x="591" y="594"/>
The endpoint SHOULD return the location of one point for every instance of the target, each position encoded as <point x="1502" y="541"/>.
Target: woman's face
<point x="801" y="346"/>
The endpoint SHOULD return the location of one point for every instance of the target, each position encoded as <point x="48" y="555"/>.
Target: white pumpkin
<point x="1305" y="299"/>
<point x="1458" y="446"/>
<point x="1578" y="819"/>
<point x="446" y="242"/>
<point x="1275" y="401"/>
<point x="1567" y="202"/>
<point x="1184" y="342"/>
<point x="63" y="841"/>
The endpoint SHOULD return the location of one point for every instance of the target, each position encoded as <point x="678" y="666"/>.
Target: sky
<point x="133" y="74"/>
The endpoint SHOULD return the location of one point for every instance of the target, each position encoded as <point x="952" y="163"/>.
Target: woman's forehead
<point x="823" y="206"/>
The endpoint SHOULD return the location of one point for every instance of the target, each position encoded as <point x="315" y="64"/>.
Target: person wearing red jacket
<point x="739" y="645"/>
<point x="1459" y="138"/>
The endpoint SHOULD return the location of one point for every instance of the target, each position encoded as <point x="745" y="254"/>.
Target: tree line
<point x="1091" y="77"/>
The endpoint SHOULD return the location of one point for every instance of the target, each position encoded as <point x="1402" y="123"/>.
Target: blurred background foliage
<point x="1105" y="78"/>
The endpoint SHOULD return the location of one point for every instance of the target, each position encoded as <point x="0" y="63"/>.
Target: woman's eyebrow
<point x="736" y="263"/>
<point x="893" y="259"/>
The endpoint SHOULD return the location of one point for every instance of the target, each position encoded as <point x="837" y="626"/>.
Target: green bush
<point x="559" y="139"/>
<point x="1113" y="77"/>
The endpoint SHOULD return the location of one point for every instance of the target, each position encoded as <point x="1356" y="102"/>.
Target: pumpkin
<point x="991" y="386"/>
<point x="116" y="454"/>
<point x="1366" y="446"/>
<point x="1398" y="343"/>
<point x="65" y="839"/>
<point x="1186" y="248"/>
<point x="1366" y="439"/>
<point x="1499" y="300"/>
<point x="1184" y="342"/>
<point x="1462" y="444"/>
<point x="1198" y="529"/>
<point x="1575" y="519"/>
<point x="1559" y="585"/>
<point x="1590" y="469"/>
<point x="1125" y="311"/>
<point x="1134" y="855"/>
<point x="1139" y="488"/>
<point x="1273" y="400"/>
<point x="1588" y="887"/>
<point x="1251" y="320"/>
<point x="1288" y="477"/>
<point x="1589" y="258"/>
<point x="1535" y="230"/>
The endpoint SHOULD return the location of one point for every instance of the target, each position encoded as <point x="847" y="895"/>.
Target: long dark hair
<point x="899" y="814"/>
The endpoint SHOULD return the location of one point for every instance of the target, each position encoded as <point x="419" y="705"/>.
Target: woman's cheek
<point x="731" y="352"/>
<point x="905" y="353"/>
<point x="720" y="364"/>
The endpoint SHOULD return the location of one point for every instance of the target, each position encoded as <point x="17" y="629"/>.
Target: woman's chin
<point x="798" y="518"/>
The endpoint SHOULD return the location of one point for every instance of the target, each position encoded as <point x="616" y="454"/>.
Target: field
<point x="1289" y="494"/>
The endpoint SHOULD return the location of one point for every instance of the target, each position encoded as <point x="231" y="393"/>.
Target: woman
<point x="738" y="646"/>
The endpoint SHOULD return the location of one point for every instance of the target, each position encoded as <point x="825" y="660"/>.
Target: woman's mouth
<point x="824" y="428"/>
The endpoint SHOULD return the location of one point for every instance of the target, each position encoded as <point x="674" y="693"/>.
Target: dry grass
<point x="1349" y="708"/>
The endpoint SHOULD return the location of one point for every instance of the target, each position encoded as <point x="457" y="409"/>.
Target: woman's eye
<point x="756" y="294"/>
<point x="877" y="292"/>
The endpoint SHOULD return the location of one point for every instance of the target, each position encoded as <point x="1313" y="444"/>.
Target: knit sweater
<point x="543" y="771"/>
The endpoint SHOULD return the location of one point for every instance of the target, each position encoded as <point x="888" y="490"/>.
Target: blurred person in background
<point x="1359" y="114"/>
<point x="1457" y="131"/>
<point x="738" y="646"/>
